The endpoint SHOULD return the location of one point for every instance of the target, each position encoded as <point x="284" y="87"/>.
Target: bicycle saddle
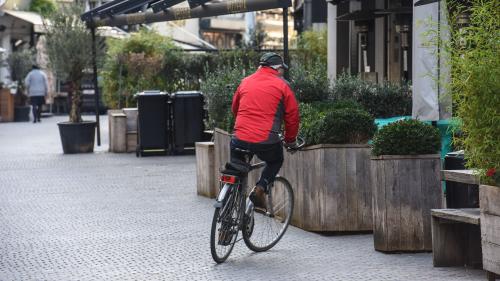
<point x="236" y="168"/>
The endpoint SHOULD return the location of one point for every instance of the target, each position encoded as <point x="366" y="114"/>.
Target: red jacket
<point x="260" y="104"/>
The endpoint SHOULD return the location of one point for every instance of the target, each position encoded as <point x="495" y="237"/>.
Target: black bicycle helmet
<point x="272" y="60"/>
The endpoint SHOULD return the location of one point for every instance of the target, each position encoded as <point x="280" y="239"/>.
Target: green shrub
<point x="310" y="84"/>
<point x="145" y="61"/>
<point x="219" y="87"/>
<point x="311" y="46"/>
<point x="341" y="122"/>
<point x="406" y="137"/>
<point x="346" y="126"/>
<point x="43" y="7"/>
<point x="382" y="101"/>
<point x="20" y="64"/>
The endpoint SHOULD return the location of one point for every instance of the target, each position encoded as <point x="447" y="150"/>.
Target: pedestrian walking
<point x="37" y="86"/>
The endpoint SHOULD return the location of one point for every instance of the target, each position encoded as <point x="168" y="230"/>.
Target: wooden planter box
<point x="132" y="114"/>
<point x="122" y="130"/>
<point x="117" y="131"/>
<point x="489" y="202"/>
<point x="331" y="183"/>
<point x="6" y="105"/>
<point x="405" y="189"/>
<point x="332" y="187"/>
<point x="205" y="170"/>
<point x="222" y="151"/>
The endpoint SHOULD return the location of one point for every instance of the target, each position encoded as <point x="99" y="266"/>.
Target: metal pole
<point x="96" y="87"/>
<point x="181" y="13"/>
<point x="285" y="40"/>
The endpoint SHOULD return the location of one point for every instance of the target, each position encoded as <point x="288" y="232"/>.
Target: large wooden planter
<point x="489" y="202"/>
<point x="205" y="170"/>
<point x="332" y="187"/>
<point x="122" y="130"/>
<point x="405" y="189"/>
<point x="6" y="105"/>
<point x="222" y="151"/>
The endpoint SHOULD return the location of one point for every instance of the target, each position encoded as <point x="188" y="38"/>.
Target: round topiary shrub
<point x="312" y="113"/>
<point x="406" y="137"/>
<point x="345" y="126"/>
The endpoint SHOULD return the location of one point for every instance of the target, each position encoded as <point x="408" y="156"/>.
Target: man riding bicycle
<point x="261" y="103"/>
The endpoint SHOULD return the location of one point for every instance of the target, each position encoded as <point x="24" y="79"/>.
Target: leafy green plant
<point x="311" y="46"/>
<point x="382" y="101"/>
<point x="43" y="7"/>
<point x="69" y="50"/>
<point x="406" y="137"/>
<point x="20" y="63"/>
<point x="311" y="84"/>
<point x="341" y="122"/>
<point x="346" y="126"/>
<point x="219" y="88"/>
<point x="475" y="63"/>
<point x="145" y="61"/>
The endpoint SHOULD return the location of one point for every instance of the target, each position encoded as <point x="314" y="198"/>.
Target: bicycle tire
<point x="250" y="242"/>
<point x="233" y="205"/>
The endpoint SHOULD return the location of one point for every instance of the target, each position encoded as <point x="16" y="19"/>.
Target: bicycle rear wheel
<point x="224" y="231"/>
<point x="262" y="231"/>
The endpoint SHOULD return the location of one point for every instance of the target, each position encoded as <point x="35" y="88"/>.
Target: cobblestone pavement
<point x="105" y="216"/>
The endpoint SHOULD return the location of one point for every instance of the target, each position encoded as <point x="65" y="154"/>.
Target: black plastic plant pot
<point x="77" y="137"/>
<point x="22" y="113"/>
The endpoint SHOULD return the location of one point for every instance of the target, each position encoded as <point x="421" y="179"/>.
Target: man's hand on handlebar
<point x="291" y="145"/>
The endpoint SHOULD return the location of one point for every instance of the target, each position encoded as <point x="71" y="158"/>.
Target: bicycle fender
<point x="222" y="195"/>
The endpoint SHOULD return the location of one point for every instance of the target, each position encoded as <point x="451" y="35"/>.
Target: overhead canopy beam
<point x="180" y="13"/>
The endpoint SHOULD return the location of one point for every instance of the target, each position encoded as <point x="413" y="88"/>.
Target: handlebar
<point x="301" y="142"/>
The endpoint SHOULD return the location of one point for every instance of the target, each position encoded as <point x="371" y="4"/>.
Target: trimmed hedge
<point x="382" y="101"/>
<point x="406" y="137"/>
<point x="342" y="122"/>
<point x="310" y="83"/>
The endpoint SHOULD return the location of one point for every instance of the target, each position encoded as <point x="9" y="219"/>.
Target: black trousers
<point x="272" y="154"/>
<point x="37" y="102"/>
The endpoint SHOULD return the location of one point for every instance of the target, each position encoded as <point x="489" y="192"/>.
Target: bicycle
<point x="260" y="230"/>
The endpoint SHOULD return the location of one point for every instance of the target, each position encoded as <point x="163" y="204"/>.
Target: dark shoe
<point x="39" y="120"/>
<point x="34" y="121"/>
<point x="258" y="198"/>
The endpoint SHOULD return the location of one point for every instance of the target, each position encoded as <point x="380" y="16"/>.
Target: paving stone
<point x="105" y="216"/>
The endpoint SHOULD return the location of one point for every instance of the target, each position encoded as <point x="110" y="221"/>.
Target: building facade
<point x="385" y="40"/>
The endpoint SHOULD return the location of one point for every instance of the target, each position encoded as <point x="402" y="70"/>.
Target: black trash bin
<point x="187" y="119"/>
<point x="152" y="123"/>
<point x="459" y="195"/>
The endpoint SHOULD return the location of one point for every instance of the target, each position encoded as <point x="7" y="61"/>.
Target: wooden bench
<point x="456" y="237"/>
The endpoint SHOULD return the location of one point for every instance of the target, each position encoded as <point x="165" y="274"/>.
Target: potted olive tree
<point x="20" y="64"/>
<point x="69" y="50"/>
<point x="406" y="185"/>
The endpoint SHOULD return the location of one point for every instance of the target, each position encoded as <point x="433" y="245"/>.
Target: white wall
<point x="332" y="41"/>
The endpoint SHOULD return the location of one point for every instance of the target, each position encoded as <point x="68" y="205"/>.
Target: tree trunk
<point x="75" y="115"/>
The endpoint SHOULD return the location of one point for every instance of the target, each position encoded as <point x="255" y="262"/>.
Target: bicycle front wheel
<point x="262" y="231"/>
<point x="225" y="226"/>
